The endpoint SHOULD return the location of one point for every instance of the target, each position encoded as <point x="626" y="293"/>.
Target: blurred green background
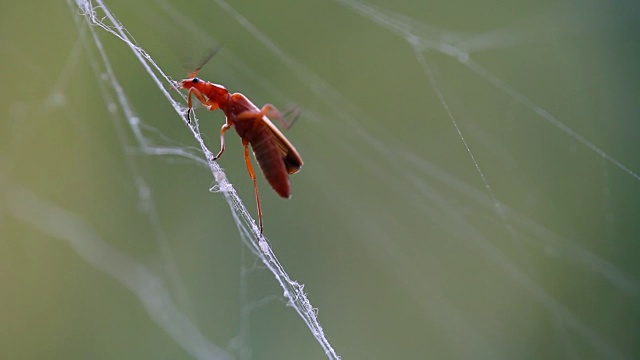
<point x="403" y="247"/>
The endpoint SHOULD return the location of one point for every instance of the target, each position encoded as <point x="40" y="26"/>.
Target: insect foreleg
<point x="223" y="130"/>
<point x="210" y="104"/>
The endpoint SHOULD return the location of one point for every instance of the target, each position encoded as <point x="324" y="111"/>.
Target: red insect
<point x="275" y="154"/>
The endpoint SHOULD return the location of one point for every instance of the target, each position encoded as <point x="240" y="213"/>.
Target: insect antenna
<point x="205" y="61"/>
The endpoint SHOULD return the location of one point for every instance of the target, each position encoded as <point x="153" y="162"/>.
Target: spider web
<point x="466" y="194"/>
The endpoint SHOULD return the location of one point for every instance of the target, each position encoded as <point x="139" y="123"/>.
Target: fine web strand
<point x="462" y="228"/>
<point x="140" y="280"/>
<point x="145" y="198"/>
<point x="388" y="21"/>
<point x="545" y="238"/>
<point x="421" y="44"/>
<point x="247" y="228"/>
<point x="429" y="72"/>
<point x="413" y="33"/>
<point x="466" y="231"/>
<point x="564" y="246"/>
<point x="459" y="48"/>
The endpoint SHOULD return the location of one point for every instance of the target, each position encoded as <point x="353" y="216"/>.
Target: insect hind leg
<point x="252" y="173"/>
<point x="286" y="120"/>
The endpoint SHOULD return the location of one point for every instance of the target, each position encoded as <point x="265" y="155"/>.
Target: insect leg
<point x="252" y="173"/>
<point x="212" y="105"/>
<point x="223" y="130"/>
<point x="272" y="112"/>
<point x="190" y="102"/>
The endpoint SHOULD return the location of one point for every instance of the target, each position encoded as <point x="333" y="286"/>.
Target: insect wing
<point x="290" y="155"/>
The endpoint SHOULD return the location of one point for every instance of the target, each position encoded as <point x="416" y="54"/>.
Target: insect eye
<point x="195" y="80"/>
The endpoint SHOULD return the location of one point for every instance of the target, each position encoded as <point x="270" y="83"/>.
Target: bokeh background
<point x="470" y="187"/>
